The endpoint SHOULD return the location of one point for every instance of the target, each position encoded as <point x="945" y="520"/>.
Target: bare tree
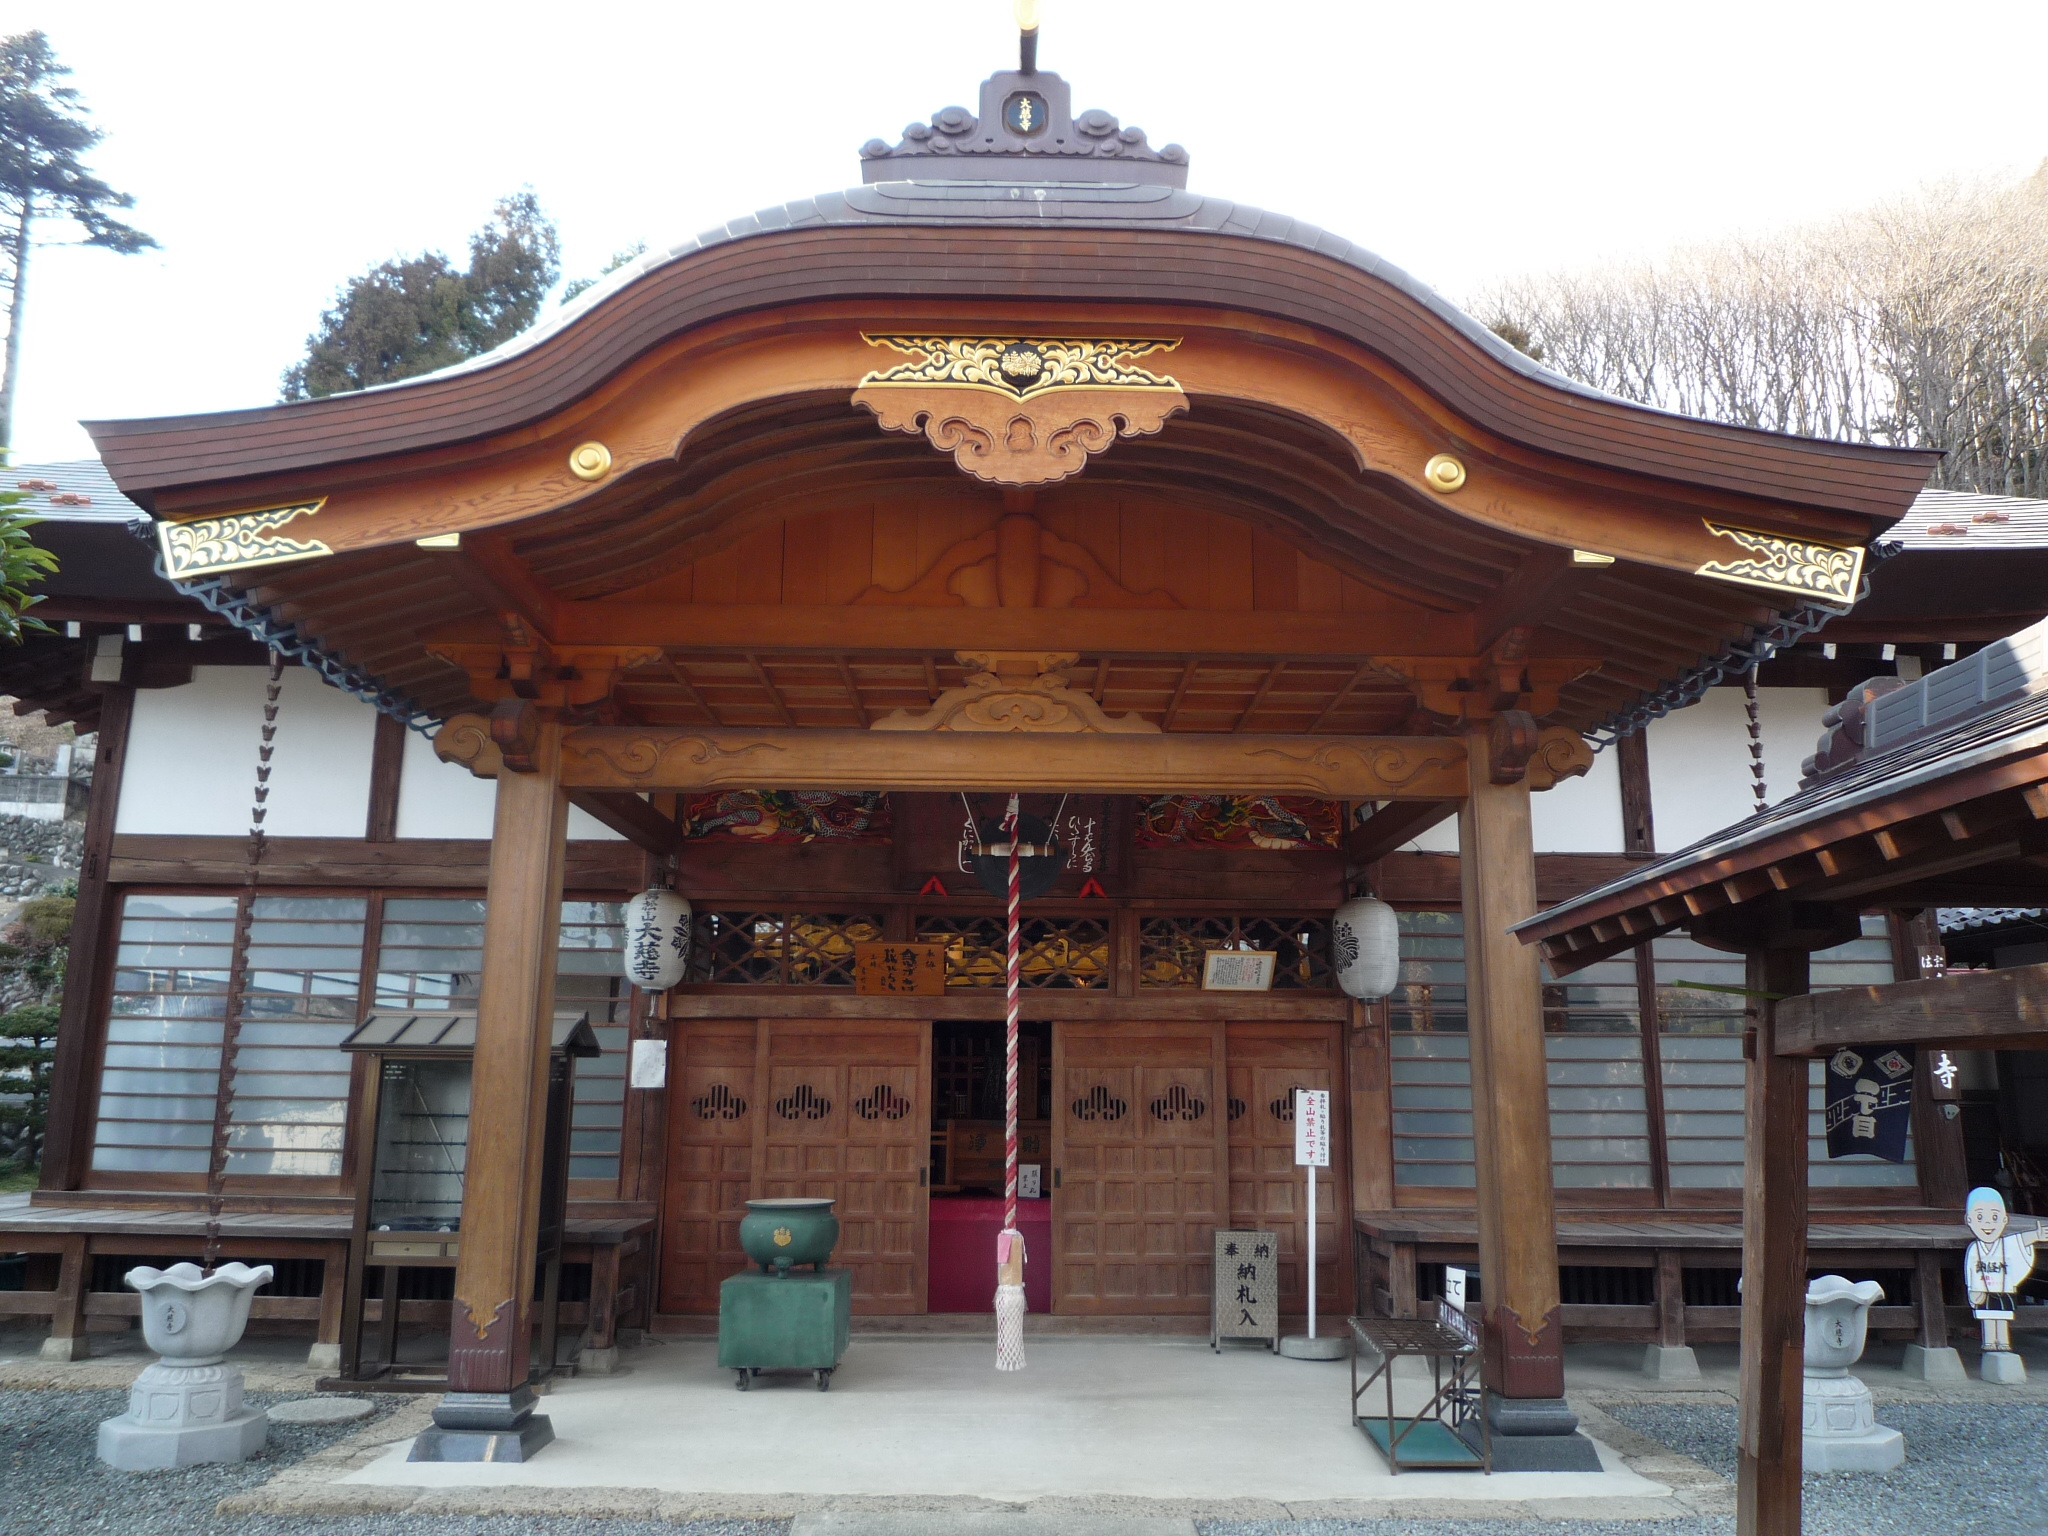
<point x="1923" y="321"/>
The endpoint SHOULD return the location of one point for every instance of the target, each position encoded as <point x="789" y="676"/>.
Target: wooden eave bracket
<point x="523" y="666"/>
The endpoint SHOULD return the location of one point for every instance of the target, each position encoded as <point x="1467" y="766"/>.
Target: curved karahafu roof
<point x="1035" y="242"/>
<point x="1318" y="380"/>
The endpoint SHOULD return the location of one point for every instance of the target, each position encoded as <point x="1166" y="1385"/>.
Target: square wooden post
<point x="487" y="1413"/>
<point x="1522" y="1342"/>
<point x="1773" y="1258"/>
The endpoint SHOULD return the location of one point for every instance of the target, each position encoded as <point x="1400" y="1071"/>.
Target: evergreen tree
<point x="43" y="135"/>
<point x="413" y="314"/>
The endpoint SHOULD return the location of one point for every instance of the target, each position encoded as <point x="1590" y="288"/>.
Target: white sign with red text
<point x="1312" y="1127"/>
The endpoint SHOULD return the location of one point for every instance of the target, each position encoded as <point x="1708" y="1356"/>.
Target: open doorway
<point x="967" y="1162"/>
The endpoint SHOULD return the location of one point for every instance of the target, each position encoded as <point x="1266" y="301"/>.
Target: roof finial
<point x="1027" y="40"/>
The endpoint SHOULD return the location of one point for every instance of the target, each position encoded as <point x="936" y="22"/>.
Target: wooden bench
<point x="62" y="1241"/>
<point x="1390" y="1246"/>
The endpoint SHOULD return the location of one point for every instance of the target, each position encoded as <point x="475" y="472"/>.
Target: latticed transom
<point x="1057" y="952"/>
<point x="780" y="948"/>
<point x="1171" y="949"/>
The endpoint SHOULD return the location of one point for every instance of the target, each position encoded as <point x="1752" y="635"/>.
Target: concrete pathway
<point x="1140" y="1419"/>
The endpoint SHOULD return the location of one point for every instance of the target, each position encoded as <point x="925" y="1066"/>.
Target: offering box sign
<point x="1247" y="1287"/>
<point x="899" y="970"/>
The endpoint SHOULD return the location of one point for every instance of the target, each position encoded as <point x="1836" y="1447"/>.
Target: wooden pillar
<point x="1523" y="1335"/>
<point x="1773" y="1258"/>
<point x="82" y="1017"/>
<point x="490" y="1323"/>
<point x="1938" y="1155"/>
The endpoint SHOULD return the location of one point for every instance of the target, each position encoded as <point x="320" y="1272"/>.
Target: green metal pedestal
<point x="794" y="1322"/>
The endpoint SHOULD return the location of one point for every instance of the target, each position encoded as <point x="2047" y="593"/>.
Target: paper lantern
<point x="657" y="939"/>
<point x="1365" y="947"/>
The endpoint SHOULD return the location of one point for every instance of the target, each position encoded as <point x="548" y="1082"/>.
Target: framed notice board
<point x="899" y="970"/>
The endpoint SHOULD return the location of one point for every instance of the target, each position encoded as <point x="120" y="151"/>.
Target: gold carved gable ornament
<point x="237" y="541"/>
<point x="1021" y="410"/>
<point x="1826" y="573"/>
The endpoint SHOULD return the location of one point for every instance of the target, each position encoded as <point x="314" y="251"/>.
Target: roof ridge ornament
<point x="1026" y="131"/>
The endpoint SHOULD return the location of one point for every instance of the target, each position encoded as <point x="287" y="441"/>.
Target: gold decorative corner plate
<point x="1828" y="573"/>
<point x="237" y="541"/>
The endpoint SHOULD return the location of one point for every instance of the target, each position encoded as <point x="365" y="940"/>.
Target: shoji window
<point x="1599" y="1113"/>
<point x="162" y="1067"/>
<point x="588" y="975"/>
<point x="290" y="1107"/>
<point x="1700" y="1039"/>
<point x="1431" y="1055"/>
<point x="1592" y="1042"/>
<point x="432" y="957"/>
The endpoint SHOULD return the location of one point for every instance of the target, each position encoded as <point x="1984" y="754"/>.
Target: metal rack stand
<point x="1434" y="1436"/>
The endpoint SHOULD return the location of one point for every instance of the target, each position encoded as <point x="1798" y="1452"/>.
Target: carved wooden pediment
<point x="1017" y="691"/>
<point x="1020" y="410"/>
<point x="1019" y="563"/>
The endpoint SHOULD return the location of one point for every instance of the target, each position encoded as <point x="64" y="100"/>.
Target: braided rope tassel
<point x="1010" y="1244"/>
<point x="1756" y="739"/>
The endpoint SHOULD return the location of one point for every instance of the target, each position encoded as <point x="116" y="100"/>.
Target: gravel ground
<point x="52" y="1484"/>
<point x="1968" y="1471"/>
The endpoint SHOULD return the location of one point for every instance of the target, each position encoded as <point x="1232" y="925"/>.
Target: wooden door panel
<point x="849" y="1118"/>
<point x="841" y="1112"/>
<point x="1137" y="1144"/>
<point x="711" y="1119"/>
<point x="1267" y="1063"/>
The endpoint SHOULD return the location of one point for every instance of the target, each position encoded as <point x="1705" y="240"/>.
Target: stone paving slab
<point x="986" y="1523"/>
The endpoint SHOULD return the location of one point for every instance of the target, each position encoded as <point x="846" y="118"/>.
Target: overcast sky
<point x="277" y="149"/>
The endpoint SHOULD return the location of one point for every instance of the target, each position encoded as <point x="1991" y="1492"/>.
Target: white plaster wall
<point x="437" y="799"/>
<point x="1581" y="815"/>
<point x="1699" y="759"/>
<point x="192" y="757"/>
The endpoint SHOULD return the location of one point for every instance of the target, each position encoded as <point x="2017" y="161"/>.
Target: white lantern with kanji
<point x="657" y="939"/>
<point x="1365" y="947"/>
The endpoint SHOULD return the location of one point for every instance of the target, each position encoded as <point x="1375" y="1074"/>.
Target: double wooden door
<point x="779" y="1107"/>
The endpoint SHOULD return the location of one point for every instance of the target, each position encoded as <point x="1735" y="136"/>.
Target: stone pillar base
<point x="1877" y="1449"/>
<point x="183" y="1416"/>
<point x="65" y="1350"/>
<point x="1535" y="1434"/>
<point x="597" y="1362"/>
<point x="324" y="1359"/>
<point x="484" y="1426"/>
<point x="1937" y="1364"/>
<point x="2003" y="1367"/>
<point x="1670" y="1362"/>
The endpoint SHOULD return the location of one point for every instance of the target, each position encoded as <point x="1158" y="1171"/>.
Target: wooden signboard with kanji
<point x="899" y="970"/>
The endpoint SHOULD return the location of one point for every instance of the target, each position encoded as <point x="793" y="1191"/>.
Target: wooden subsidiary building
<point x="1243" y="556"/>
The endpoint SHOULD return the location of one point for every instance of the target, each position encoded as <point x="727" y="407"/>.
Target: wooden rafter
<point x="682" y="680"/>
<point x="860" y="710"/>
<point x="1258" y="698"/>
<point x="1180" y="693"/>
<point x="774" y="693"/>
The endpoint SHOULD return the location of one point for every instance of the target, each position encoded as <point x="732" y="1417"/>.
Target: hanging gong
<point x="1038" y="866"/>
